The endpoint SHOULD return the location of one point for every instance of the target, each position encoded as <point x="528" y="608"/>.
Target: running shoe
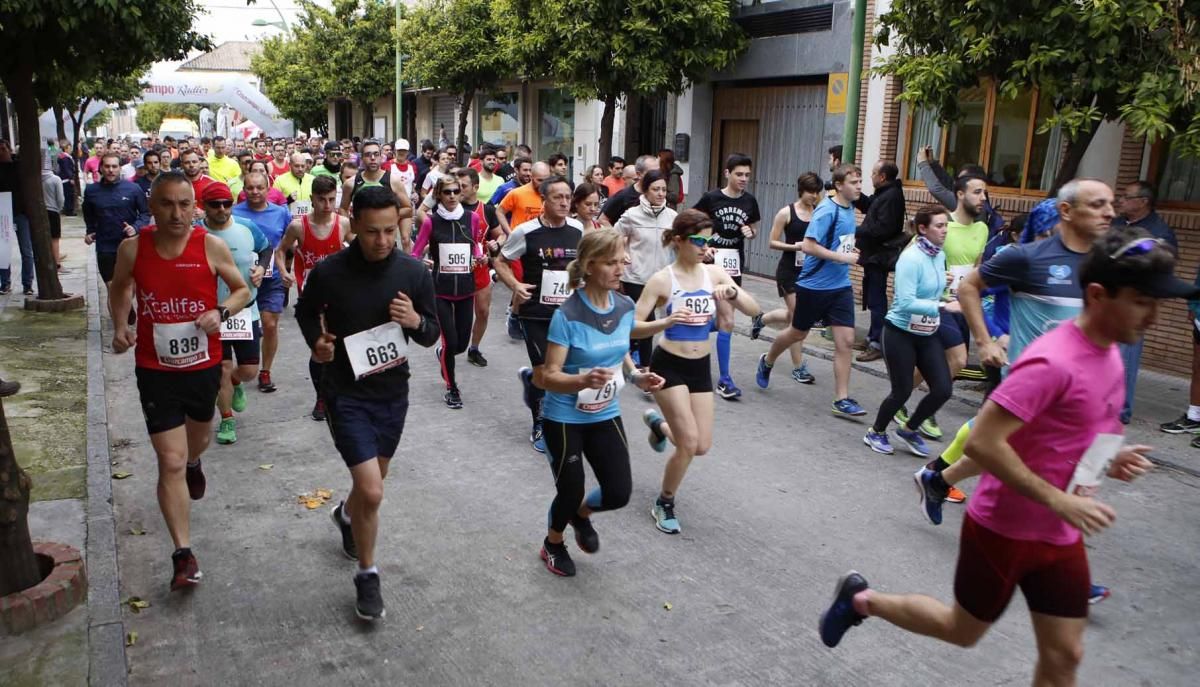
<point x="848" y="407"/>
<point x="28" y="290"/>
<point x="1195" y="443"/>
<point x="1098" y="593"/>
<point x="901" y="416"/>
<point x="878" y="441"/>
<point x="476" y="358"/>
<point x="536" y="438"/>
<point x="930" y="496"/>
<point x="453" y="399"/>
<point x="841" y="616"/>
<point x="349" y="550"/>
<point x="187" y="570"/>
<point x="971" y="373"/>
<point x="756" y="326"/>
<point x="955" y="495"/>
<point x="727" y="390"/>
<point x="558" y="561"/>
<point x="265" y="384"/>
<point x="663" y="513"/>
<point x="239" y="399"/>
<point x="763" y="374"/>
<point x="514" y="327"/>
<point x="585" y="535"/>
<point x="802" y="375"/>
<point x="9" y="388"/>
<point x="914" y="442"/>
<point x="1184" y="425"/>
<point x="870" y="355"/>
<point x="930" y="429"/>
<point x="227" y="431"/>
<point x="368" y="603"/>
<point x="5" y="290"/>
<point x="654" y="420"/>
<point x="318" y="411"/>
<point x="525" y="376"/>
<point x="196" y="483"/>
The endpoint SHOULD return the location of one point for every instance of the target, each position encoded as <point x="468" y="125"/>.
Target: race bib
<point x="957" y="274"/>
<point x="301" y="207"/>
<point x="729" y="260"/>
<point x="556" y="286"/>
<point x="376" y="349"/>
<point x="181" y="344"/>
<point x="239" y="327"/>
<point x="270" y="269"/>
<point x="454" y="258"/>
<point x="703" y="308"/>
<point x="924" y="324"/>
<point x="1093" y="466"/>
<point x="846" y="243"/>
<point x="596" y="400"/>
<point x="800" y="258"/>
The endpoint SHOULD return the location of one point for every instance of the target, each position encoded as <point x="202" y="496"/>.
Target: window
<point x="499" y="119"/>
<point x="1177" y="178"/>
<point x="1001" y="133"/>
<point x="556" y="124"/>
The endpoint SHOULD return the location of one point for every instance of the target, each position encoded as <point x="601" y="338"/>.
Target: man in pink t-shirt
<point x="1045" y="438"/>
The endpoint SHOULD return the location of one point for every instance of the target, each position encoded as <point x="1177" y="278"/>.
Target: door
<point x="737" y="136"/>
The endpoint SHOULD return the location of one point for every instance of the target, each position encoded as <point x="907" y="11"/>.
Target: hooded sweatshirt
<point x="644" y="225"/>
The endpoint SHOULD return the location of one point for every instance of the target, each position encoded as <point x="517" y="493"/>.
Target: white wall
<point x="1103" y="156"/>
<point x="683" y="125"/>
<point x="876" y="106"/>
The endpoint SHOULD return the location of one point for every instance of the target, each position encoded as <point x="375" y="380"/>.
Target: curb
<point x="59" y="592"/>
<point x="106" y="627"/>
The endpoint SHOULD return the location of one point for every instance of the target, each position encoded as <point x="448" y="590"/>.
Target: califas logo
<point x="171" y="309"/>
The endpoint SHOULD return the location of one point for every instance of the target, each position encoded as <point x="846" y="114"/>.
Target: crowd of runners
<point x="612" y="280"/>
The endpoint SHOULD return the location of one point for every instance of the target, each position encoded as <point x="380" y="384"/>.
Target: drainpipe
<point x="854" y="85"/>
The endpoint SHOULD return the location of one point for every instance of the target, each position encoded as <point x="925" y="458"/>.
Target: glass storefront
<point x="556" y="125"/>
<point x="499" y="120"/>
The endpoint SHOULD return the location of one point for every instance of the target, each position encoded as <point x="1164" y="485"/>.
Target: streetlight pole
<point x="399" y="128"/>
<point x="281" y="17"/>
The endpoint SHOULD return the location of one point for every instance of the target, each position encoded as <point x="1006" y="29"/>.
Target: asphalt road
<point x="788" y="499"/>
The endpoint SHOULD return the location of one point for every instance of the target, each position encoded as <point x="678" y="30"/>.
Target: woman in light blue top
<point x="908" y="341"/>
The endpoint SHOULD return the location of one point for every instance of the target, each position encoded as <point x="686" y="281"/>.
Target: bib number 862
<point x="184" y="346"/>
<point x="378" y="355"/>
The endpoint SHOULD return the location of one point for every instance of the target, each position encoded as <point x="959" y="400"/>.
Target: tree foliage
<point x="113" y="89"/>
<point x="287" y="67"/>
<point x="150" y="116"/>
<point x="1133" y="60"/>
<point x="444" y="39"/>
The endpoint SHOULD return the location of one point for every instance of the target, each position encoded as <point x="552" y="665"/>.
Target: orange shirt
<point x="522" y="204"/>
<point x="614" y="185"/>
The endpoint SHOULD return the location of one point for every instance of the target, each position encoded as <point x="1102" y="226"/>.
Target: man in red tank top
<point x="315" y="236"/>
<point x="177" y="347"/>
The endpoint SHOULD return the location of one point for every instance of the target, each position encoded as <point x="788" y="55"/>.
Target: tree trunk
<point x="77" y="120"/>
<point x="1076" y="148"/>
<point x="606" y="129"/>
<point x="18" y="565"/>
<point x="60" y="128"/>
<point x="464" y="110"/>
<point x="29" y="168"/>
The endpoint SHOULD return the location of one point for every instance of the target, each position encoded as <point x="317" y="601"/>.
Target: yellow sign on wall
<point x="835" y="98"/>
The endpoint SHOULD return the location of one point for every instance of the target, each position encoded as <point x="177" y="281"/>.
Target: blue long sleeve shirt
<point x="920" y="280"/>
<point x="107" y="208"/>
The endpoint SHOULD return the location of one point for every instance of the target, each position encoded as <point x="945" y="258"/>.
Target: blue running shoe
<point x="536" y="438"/>
<point x="878" y="441"/>
<point x="756" y="326"/>
<point x="1098" y="593"/>
<point x="848" y="407"/>
<point x="664" y="517"/>
<point x="802" y="375"/>
<point x="514" y="328"/>
<point x="654" y="420"/>
<point x="763" y="375"/>
<point x="931" y="497"/>
<point x="841" y="616"/>
<point x="727" y="390"/>
<point x="525" y="375"/>
<point x="913" y="441"/>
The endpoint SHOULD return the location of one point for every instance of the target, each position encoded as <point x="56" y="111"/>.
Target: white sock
<point x="1194" y="413"/>
<point x="368" y="571"/>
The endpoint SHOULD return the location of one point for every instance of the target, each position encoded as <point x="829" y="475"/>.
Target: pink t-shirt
<point x="91" y="167"/>
<point x="1067" y="390"/>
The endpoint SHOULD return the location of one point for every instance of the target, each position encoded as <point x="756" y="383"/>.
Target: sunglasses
<point x="219" y="203"/>
<point x="451" y="191"/>
<point x="1136" y="247"/>
<point x="699" y="240"/>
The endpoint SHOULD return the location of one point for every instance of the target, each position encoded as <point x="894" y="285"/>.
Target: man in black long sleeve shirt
<point x="359" y="310"/>
<point x="879" y="240"/>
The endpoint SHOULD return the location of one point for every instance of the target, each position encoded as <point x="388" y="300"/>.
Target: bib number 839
<point x="379" y="355"/>
<point x="184" y="346"/>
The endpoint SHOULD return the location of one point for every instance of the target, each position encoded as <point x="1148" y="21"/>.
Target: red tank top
<point x="313" y="250"/>
<point x="171" y="294"/>
<point x="277" y="170"/>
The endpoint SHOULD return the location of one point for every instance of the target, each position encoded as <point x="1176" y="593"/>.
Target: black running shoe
<point x="585" y="535"/>
<point x="187" y="570"/>
<point x="196" y="483"/>
<point x="558" y="561"/>
<point x="476" y="358"/>
<point x="453" y="399"/>
<point x="348" y="547"/>
<point x="369" y="602"/>
<point x="841" y="616"/>
<point x="318" y="411"/>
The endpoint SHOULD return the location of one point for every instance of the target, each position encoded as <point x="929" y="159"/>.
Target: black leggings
<point x="643" y="347"/>
<point x="604" y="446"/>
<point x="315" y="370"/>
<point x="903" y="352"/>
<point x="455" y="319"/>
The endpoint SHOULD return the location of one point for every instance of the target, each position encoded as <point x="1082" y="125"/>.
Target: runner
<point x="192" y="165"/>
<point x="174" y="268"/>
<point x="401" y="167"/>
<point x="523" y="172"/>
<point x="489" y="180"/>
<point x="692" y="288"/>
<point x="359" y="310"/>
<point x="296" y="184"/>
<point x="587" y="362"/>
<point x="272" y="220"/>
<point x="823" y="290"/>
<point x="220" y="166"/>
<point x="585" y="205"/>
<point x="452" y="235"/>
<point x="113" y="210"/>
<point x="908" y="341"/>
<point x="373" y="174"/>
<point x="642" y="227"/>
<point x="313" y="237"/>
<point x="331" y="164"/>
<point x="615" y="181"/>
<point x="241" y="335"/>
<point x="618" y="203"/>
<point x="1046" y="437"/>
<point x="441" y="168"/>
<point x="279" y="160"/>
<point x="787" y="236"/>
<point x="490" y="235"/>
<point x="543" y="246"/>
<point x="735" y="215"/>
<point x="524" y="203"/>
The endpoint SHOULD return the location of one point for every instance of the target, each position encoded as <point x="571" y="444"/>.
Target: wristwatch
<point x="223" y="312"/>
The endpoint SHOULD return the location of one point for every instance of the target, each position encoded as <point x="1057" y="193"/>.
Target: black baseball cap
<point x="333" y="147"/>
